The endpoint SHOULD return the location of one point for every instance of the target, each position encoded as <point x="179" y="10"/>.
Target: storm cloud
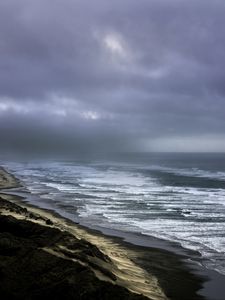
<point x="145" y="75"/>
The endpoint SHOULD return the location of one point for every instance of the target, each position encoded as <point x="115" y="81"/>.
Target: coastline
<point x="154" y="272"/>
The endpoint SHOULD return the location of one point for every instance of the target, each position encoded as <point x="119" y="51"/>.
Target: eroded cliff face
<point x="7" y="180"/>
<point x="38" y="261"/>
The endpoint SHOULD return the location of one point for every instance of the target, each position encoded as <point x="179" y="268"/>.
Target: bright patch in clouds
<point x="7" y="105"/>
<point x="90" y="115"/>
<point x="114" y="44"/>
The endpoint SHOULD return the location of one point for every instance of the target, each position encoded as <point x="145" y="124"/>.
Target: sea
<point x="176" y="197"/>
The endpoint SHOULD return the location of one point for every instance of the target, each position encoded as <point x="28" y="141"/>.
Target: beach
<point x="45" y="255"/>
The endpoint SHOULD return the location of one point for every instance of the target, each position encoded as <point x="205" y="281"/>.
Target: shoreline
<point x="213" y="286"/>
<point x="161" y="260"/>
<point x="109" y="273"/>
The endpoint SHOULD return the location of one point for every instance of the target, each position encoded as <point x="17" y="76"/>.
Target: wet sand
<point x="111" y="264"/>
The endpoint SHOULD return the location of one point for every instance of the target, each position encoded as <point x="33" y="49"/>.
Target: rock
<point x="49" y="222"/>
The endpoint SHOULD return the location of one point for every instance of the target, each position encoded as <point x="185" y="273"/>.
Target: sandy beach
<point x="45" y="255"/>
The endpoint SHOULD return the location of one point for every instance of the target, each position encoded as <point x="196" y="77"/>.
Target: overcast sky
<point x="146" y="75"/>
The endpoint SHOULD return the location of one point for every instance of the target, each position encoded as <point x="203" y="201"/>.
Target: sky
<point x="146" y="75"/>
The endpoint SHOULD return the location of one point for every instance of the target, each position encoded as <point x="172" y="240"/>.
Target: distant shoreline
<point x="175" y="279"/>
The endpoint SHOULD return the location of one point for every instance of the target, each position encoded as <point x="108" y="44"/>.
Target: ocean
<point x="174" y="197"/>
